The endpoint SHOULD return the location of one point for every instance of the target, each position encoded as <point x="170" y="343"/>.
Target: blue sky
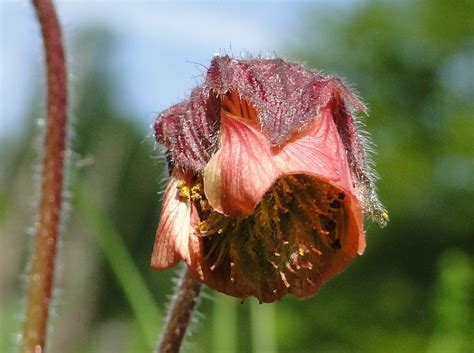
<point x="157" y="43"/>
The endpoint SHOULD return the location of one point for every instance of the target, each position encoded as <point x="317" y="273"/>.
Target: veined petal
<point x="241" y="171"/>
<point x="246" y="166"/>
<point x="351" y="244"/>
<point x="318" y="151"/>
<point x="175" y="227"/>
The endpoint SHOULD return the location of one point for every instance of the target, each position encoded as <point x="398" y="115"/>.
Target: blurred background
<point x="411" y="61"/>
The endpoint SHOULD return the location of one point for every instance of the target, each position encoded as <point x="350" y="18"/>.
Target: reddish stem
<point x="43" y="257"/>
<point x="180" y="313"/>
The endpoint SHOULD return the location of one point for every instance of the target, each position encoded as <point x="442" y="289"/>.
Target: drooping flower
<point x="269" y="180"/>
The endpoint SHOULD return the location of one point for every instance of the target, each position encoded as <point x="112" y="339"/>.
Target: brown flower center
<point x="297" y="226"/>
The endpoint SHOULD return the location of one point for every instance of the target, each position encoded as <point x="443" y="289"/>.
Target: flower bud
<point x="269" y="180"/>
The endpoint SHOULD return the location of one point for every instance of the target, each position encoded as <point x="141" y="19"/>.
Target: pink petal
<point x="241" y="171"/>
<point x="317" y="151"/>
<point x="172" y="235"/>
<point x="245" y="166"/>
<point x="353" y="243"/>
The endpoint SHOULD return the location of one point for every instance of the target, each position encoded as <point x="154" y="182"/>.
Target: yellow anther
<point x="184" y="189"/>
<point x="196" y="192"/>
<point x="385" y="216"/>
<point x="301" y="251"/>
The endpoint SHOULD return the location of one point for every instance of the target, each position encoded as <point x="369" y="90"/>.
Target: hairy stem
<point x="41" y="277"/>
<point x="180" y="313"/>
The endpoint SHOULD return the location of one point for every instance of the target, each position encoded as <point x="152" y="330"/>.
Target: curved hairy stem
<point x="180" y="313"/>
<point x="41" y="277"/>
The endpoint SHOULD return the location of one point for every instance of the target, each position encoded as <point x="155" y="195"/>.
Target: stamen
<point x="302" y="250"/>
<point x="284" y="280"/>
<point x="297" y="226"/>
<point x="291" y="269"/>
<point x="184" y="190"/>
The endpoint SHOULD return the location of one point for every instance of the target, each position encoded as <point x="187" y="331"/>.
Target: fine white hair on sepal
<point x="370" y="202"/>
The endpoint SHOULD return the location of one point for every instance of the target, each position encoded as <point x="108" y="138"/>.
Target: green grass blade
<point x="141" y="301"/>
<point x="224" y="324"/>
<point x="263" y="327"/>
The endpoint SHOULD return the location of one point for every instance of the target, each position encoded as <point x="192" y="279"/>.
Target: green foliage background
<point x="412" y="291"/>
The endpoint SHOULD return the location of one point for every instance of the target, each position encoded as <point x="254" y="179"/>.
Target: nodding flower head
<point x="269" y="180"/>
